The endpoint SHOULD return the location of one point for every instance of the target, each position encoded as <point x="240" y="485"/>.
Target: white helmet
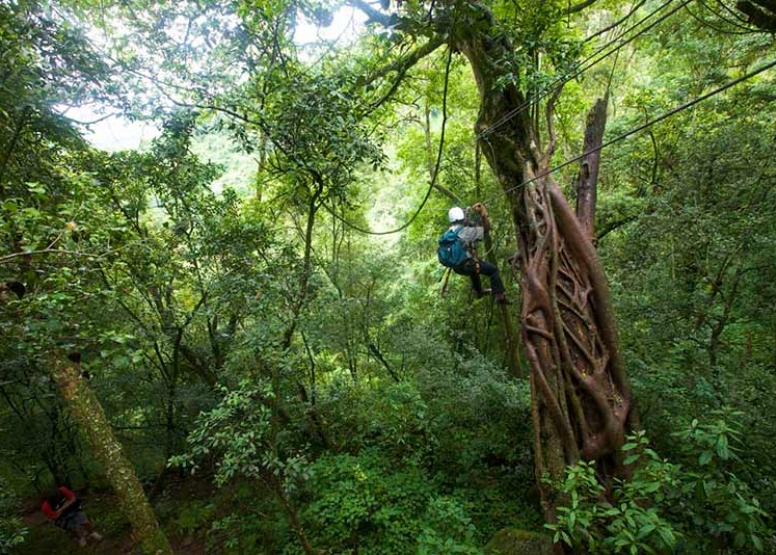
<point x="455" y="214"/>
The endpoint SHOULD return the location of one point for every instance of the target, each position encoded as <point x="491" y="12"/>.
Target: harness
<point x="475" y="219"/>
<point x="474" y="258"/>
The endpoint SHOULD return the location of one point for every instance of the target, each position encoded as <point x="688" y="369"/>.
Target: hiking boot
<point x="501" y="298"/>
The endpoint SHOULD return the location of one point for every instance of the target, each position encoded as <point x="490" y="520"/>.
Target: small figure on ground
<point x="8" y="287"/>
<point x="457" y="251"/>
<point x="64" y="509"/>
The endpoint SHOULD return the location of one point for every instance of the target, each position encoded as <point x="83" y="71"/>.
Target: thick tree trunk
<point x="88" y="413"/>
<point x="581" y="400"/>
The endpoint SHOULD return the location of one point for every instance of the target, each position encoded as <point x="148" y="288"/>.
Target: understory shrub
<point x="697" y="507"/>
<point x="12" y="531"/>
<point x="361" y="503"/>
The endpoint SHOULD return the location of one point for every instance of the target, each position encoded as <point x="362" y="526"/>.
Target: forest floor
<point x="101" y="507"/>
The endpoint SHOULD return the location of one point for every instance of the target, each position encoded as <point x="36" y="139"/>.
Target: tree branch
<point x="379" y="356"/>
<point x="383" y="19"/>
<point x="756" y="16"/>
<point x="581" y="6"/>
<point x="616" y="23"/>
<point x="611" y="226"/>
<point x="403" y="64"/>
<point x="9" y="257"/>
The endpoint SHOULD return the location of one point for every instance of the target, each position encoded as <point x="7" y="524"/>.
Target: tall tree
<point x="44" y="189"/>
<point x="582" y="402"/>
<point x="88" y="412"/>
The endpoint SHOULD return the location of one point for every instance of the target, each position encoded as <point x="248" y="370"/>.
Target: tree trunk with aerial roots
<point x="581" y="400"/>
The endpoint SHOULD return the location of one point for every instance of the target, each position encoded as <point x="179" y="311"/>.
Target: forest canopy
<point x="233" y="334"/>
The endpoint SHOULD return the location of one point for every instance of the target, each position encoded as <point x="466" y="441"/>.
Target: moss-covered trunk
<point x="90" y="417"/>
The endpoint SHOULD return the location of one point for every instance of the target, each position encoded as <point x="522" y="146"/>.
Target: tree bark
<point x="581" y="401"/>
<point x="88" y="413"/>
<point x="587" y="179"/>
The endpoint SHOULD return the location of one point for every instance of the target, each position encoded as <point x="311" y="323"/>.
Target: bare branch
<point x="9" y="257"/>
<point x="377" y="16"/>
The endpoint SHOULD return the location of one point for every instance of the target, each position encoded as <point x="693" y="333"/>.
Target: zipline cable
<point x="745" y="29"/>
<point x="510" y="115"/>
<point x="560" y="82"/>
<point x="704" y="23"/>
<point x="620" y="137"/>
<point x="667" y="115"/>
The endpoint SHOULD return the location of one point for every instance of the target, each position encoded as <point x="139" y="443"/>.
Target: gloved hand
<point x="480" y="209"/>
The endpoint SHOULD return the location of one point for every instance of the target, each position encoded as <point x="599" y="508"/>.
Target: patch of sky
<point x="108" y="130"/>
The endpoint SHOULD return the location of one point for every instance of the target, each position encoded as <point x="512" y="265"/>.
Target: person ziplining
<point x="457" y="251"/>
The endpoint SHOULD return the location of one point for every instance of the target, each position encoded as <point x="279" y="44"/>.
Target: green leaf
<point x="667" y="535"/>
<point x="646" y="529"/>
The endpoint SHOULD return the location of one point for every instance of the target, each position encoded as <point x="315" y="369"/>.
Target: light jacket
<point x="469" y="235"/>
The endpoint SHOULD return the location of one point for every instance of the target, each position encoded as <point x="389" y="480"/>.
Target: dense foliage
<point x="283" y="382"/>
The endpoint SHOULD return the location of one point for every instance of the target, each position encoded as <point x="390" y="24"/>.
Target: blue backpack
<point x="451" y="251"/>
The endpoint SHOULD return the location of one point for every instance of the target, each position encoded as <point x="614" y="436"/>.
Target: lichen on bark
<point x="88" y="413"/>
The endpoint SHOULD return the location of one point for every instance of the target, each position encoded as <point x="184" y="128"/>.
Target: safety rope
<point x="433" y="176"/>
<point x="569" y="161"/>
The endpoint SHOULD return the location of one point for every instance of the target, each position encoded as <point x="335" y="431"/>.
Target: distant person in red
<point x="64" y="509"/>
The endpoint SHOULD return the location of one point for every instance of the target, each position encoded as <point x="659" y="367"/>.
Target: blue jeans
<point x="72" y="520"/>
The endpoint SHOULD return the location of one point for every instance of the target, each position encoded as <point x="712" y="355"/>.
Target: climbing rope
<point x="433" y="176"/>
<point x="523" y="106"/>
